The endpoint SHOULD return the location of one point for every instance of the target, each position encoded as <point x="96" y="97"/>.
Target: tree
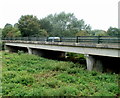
<point x="7" y="28"/>
<point x="98" y="33"/>
<point x="0" y="33"/>
<point x="29" y="25"/>
<point x="82" y="33"/>
<point x="113" y="31"/>
<point x="46" y="25"/>
<point x="42" y="33"/>
<point x="66" y="24"/>
<point x="10" y="31"/>
<point x="16" y="25"/>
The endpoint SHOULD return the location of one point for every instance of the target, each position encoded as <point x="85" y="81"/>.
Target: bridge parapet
<point x="77" y="39"/>
<point x="94" y="45"/>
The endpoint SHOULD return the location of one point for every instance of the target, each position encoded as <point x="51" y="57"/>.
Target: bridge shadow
<point x="111" y="64"/>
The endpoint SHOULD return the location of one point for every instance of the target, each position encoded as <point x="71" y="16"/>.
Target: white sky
<point x="100" y="14"/>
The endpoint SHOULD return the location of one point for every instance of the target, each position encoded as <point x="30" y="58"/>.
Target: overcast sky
<point x="100" y="14"/>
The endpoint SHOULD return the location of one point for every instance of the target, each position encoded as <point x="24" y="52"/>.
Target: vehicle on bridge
<point x="53" y="39"/>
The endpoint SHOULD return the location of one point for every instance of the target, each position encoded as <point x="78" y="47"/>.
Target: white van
<point x="53" y="39"/>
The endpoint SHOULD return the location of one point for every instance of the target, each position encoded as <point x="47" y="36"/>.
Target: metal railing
<point x="98" y="39"/>
<point x="26" y="38"/>
<point x="78" y="39"/>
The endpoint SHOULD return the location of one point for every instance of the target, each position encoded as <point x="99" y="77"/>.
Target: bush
<point x="20" y="52"/>
<point x="7" y="76"/>
<point x="10" y="87"/>
<point x="67" y="78"/>
<point x="69" y="91"/>
<point x="23" y="79"/>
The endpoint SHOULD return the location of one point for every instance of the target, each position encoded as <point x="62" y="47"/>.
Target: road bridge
<point x="95" y="53"/>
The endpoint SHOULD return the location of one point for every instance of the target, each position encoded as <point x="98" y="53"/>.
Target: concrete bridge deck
<point x="112" y="50"/>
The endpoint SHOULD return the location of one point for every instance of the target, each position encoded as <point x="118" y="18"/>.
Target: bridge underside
<point x="40" y="52"/>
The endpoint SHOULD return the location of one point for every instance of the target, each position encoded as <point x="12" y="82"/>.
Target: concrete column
<point x="94" y="63"/>
<point x="29" y="50"/>
<point x="90" y="62"/>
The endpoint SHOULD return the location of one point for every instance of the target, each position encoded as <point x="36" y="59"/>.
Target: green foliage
<point x="113" y="31"/>
<point x="82" y="33"/>
<point x="110" y="32"/>
<point x="30" y="75"/>
<point x="78" y="58"/>
<point x="67" y="78"/>
<point x="98" y="33"/>
<point x="42" y="33"/>
<point x="8" y="75"/>
<point x="10" y="31"/>
<point x="63" y="24"/>
<point x="0" y="33"/>
<point x="6" y="30"/>
<point x="46" y="25"/>
<point x="23" y="79"/>
<point x="29" y="25"/>
<point x="75" y="55"/>
<point x="69" y="91"/>
<point x="20" y="52"/>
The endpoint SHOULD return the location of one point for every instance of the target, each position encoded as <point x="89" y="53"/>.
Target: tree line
<point x="62" y="24"/>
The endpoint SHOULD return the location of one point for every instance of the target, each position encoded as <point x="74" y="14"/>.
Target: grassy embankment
<point x="30" y="75"/>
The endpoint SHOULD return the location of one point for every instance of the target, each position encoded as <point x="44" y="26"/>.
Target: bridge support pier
<point x="29" y="50"/>
<point x="94" y="63"/>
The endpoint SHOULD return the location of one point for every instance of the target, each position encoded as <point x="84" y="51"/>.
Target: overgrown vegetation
<point x="30" y="75"/>
<point x="76" y="58"/>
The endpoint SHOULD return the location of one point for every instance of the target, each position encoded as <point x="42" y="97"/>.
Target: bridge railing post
<point x="99" y="39"/>
<point x="47" y="39"/>
<point x="37" y="38"/>
<point x="60" y="39"/>
<point x="77" y="38"/>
